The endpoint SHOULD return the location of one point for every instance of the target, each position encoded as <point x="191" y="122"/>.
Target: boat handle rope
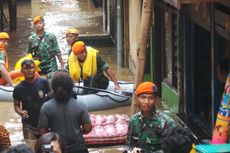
<point x="8" y="90"/>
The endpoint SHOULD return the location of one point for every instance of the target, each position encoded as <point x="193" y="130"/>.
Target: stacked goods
<point x="107" y="129"/>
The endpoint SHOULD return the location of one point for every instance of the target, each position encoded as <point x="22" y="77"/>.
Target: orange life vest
<point x="2" y="49"/>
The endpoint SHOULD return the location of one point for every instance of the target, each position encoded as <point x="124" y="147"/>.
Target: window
<point x="170" y="56"/>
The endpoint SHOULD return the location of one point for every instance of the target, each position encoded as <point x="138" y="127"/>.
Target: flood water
<point x="59" y="15"/>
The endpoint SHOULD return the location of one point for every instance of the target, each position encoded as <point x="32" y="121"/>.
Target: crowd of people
<point x="53" y="121"/>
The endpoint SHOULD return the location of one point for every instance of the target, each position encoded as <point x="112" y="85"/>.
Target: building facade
<point x="187" y="40"/>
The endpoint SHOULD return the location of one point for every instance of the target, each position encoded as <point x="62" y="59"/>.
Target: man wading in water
<point x="29" y="95"/>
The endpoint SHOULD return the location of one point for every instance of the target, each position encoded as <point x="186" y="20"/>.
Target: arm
<point x="5" y="74"/>
<point x="28" y="48"/>
<point x="103" y="66"/>
<point x="42" y="131"/>
<point x="49" y="88"/>
<point x="86" y="128"/>
<point x="85" y="120"/>
<point x="56" y="50"/>
<point x="18" y="110"/>
<point x="129" y="141"/>
<point x="168" y="121"/>
<point x="60" y="60"/>
<point x="113" y="78"/>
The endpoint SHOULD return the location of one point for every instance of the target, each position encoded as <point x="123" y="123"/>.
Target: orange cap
<point x="146" y="87"/>
<point x="78" y="47"/>
<point x="37" y="18"/>
<point x="72" y="30"/>
<point x="4" y="35"/>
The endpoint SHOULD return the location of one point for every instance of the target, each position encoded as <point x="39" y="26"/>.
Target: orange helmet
<point x="37" y="18"/>
<point x="78" y="47"/>
<point x="72" y="30"/>
<point x="4" y="35"/>
<point x="146" y="87"/>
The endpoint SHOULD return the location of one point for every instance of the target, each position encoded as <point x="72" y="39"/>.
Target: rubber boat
<point x="101" y="100"/>
<point x="107" y="99"/>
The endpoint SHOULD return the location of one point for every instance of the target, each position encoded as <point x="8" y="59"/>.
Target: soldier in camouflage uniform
<point x="145" y="127"/>
<point x="44" y="46"/>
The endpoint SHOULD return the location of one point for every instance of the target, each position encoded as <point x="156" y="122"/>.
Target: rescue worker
<point x="71" y="37"/>
<point x="4" y="38"/>
<point x="146" y="127"/>
<point x="86" y="65"/>
<point x="44" y="47"/>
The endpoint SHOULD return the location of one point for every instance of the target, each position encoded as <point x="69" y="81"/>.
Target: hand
<point x="10" y="85"/>
<point x="117" y="88"/>
<point x="24" y="114"/>
<point x="136" y="150"/>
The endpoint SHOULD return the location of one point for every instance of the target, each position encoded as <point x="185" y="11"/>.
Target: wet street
<point x="59" y="15"/>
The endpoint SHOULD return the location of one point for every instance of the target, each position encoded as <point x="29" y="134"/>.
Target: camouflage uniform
<point x="146" y="133"/>
<point x="46" y="51"/>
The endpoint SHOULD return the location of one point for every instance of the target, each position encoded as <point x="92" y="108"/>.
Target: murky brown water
<point x="59" y="15"/>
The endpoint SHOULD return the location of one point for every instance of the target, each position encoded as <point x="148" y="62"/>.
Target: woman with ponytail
<point x="64" y="115"/>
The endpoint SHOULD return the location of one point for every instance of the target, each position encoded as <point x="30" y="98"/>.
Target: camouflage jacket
<point x="44" y="49"/>
<point x="146" y="133"/>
